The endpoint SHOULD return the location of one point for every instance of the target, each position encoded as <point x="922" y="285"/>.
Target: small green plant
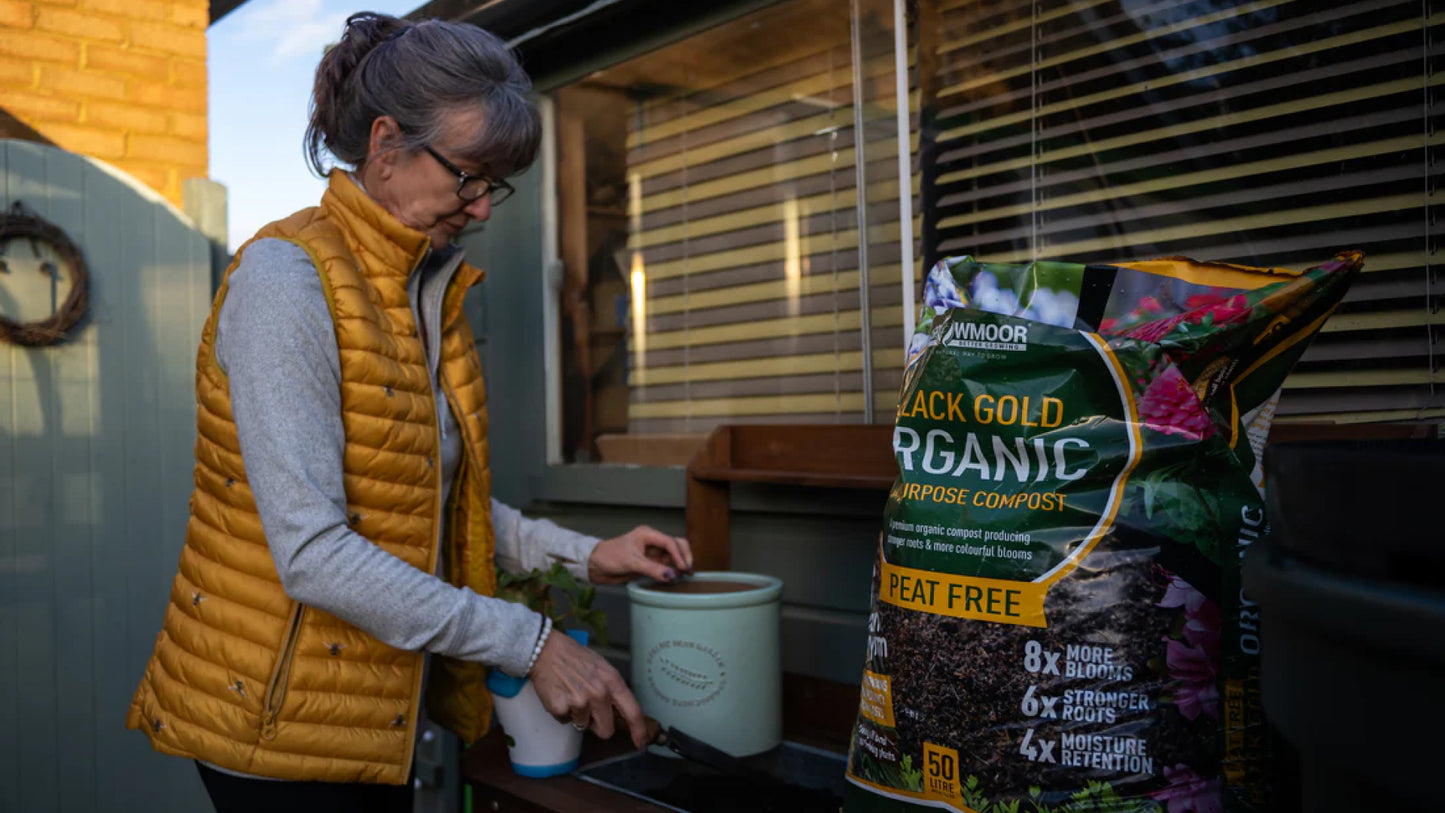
<point x="556" y="594"/>
<point x="1098" y="796"/>
<point x="973" y="795"/>
<point x="912" y="778"/>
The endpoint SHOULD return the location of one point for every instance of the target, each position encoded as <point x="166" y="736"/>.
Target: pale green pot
<point x="708" y="663"/>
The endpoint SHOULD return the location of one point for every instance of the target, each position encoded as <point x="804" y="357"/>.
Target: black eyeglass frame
<point x="498" y="191"/>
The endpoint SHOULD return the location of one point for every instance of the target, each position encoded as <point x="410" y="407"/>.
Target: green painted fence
<point x="96" y="437"/>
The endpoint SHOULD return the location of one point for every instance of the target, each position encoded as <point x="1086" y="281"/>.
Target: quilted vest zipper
<point x="438" y="506"/>
<point x="281" y="675"/>
<point x="438" y="540"/>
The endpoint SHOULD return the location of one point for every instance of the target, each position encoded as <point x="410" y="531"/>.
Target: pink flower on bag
<point x="1223" y="311"/>
<point x="1202" y="300"/>
<point x="1195" y="674"/>
<point x="1194" y="667"/>
<point x="1170" y="406"/>
<point x="1181" y="593"/>
<point x="1201" y="628"/>
<point x="1157" y="329"/>
<point x="1201" y="616"/>
<point x="1188" y="792"/>
<point x="1234" y="309"/>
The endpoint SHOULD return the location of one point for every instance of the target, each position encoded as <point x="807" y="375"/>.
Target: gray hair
<point x="417" y="73"/>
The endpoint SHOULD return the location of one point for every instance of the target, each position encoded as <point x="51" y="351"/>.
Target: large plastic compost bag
<point x="1057" y="620"/>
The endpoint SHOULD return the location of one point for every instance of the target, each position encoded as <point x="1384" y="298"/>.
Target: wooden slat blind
<point x="1273" y="133"/>
<point x="745" y="228"/>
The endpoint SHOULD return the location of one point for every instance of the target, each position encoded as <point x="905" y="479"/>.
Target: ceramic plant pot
<point x="705" y="658"/>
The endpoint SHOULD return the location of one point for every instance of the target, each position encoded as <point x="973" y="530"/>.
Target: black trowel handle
<point x="696" y="750"/>
<point x="656" y="734"/>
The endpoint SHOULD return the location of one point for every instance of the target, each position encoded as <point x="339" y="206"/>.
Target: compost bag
<point x="1057" y="620"/>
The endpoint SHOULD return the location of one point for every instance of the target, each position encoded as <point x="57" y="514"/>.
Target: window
<point x="721" y="267"/>
<point x="709" y="228"/>
<point x="1269" y="133"/>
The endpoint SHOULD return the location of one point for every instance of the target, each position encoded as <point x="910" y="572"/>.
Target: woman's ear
<point x="383" y="144"/>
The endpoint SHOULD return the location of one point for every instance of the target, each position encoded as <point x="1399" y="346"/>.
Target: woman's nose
<point x="479" y="209"/>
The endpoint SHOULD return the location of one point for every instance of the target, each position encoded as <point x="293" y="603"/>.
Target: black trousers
<point x="236" y="794"/>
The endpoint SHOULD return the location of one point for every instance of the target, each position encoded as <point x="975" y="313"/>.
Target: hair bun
<point x="371" y="28"/>
<point x="364" y="31"/>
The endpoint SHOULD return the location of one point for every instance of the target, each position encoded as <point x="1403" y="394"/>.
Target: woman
<point x="341" y="529"/>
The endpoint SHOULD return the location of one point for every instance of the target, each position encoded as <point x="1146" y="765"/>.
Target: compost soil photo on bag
<point x="1057" y="619"/>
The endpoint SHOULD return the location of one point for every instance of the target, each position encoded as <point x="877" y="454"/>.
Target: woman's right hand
<point x="579" y="686"/>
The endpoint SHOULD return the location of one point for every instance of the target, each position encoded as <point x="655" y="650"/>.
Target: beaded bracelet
<point x="541" y="640"/>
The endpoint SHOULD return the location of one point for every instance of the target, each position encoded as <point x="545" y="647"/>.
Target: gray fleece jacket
<point x="276" y="341"/>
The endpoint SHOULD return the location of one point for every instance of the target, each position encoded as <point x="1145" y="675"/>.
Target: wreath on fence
<point x="19" y="222"/>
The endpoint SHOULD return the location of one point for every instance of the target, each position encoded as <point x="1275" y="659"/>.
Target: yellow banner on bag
<point x="876" y="699"/>
<point x="998" y="600"/>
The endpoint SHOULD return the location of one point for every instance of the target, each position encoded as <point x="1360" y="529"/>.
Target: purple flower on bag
<point x="985" y="294"/>
<point x="1170" y="406"/>
<point x="917" y="345"/>
<point x="1188" y="792"/>
<point x="940" y="292"/>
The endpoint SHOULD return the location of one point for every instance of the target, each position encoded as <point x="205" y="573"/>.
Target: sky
<point x="262" y="58"/>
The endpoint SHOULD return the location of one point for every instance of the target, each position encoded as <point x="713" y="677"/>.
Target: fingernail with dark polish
<point x="670" y="574"/>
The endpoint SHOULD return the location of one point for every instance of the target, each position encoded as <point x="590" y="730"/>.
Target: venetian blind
<point x="1270" y="133"/>
<point x="745" y="233"/>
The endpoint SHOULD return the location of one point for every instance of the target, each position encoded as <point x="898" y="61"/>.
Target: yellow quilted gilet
<point x="242" y="676"/>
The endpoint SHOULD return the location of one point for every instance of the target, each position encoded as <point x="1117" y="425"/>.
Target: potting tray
<point x="812" y="780"/>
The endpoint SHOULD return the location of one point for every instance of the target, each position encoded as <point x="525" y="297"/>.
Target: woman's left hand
<point x="642" y="551"/>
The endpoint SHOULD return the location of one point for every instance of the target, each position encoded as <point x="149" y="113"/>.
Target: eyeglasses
<point x="474" y="187"/>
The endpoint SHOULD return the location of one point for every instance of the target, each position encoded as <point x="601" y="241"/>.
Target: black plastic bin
<point x="1351" y="588"/>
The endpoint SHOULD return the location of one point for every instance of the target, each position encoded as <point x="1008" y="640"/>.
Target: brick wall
<point x="119" y="80"/>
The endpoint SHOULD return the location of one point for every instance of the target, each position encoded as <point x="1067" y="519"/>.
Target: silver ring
<point x="579" y="726"/>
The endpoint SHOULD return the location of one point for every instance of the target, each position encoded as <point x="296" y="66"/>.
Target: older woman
<point x="342" y="530"/>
